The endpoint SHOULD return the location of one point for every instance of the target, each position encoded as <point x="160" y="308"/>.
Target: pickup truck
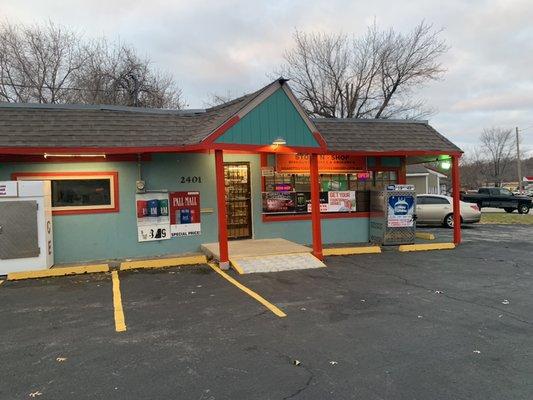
<point x="499" y="198"/>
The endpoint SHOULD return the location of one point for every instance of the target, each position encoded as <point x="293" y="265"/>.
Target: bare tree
<point x="216" y="99"/>
<point x="117" y="75"/>
<point x="474" y="168"/>
<point x="498" y="145"/>
<point x="368" y="77"/>
<point x="37" y="63"/>
<point x="49" y="64"/>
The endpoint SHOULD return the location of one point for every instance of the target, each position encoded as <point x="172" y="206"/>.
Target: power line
<point x="65" y="88"/>
<point x="526" y="128"/>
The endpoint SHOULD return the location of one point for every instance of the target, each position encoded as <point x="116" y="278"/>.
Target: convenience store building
<point x="130" y="182"/>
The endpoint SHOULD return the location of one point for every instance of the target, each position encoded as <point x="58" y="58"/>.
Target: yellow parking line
<point x="249" y="292"/>
<point x="236" y="266"/>
<point x="120" y="323"/>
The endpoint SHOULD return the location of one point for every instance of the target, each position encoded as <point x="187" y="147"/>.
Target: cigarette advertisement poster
<point x="338" y="201"/>
<point x="153" y="222"/>
<point x="185" y="214"/>
<point x="341" y="201"/>
<point x="400" y="211"/>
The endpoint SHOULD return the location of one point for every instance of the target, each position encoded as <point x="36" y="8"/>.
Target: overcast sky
<point x="231" y="46"/>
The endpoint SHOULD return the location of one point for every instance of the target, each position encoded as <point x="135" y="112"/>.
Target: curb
<point x="426" y="247"/>
<point x="163" y="262"/>
<point x="344" y="251"/>
<point x="47" y="273"/>
<point x="99" y="268"/>
<point x="425" y="235"/>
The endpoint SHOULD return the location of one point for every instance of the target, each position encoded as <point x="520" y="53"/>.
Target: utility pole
<point x="518" y="164"/>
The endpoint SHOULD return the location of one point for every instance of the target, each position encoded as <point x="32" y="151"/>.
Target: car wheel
<point x="448" y="221"/>
<point x="523" y="209"/>
<point x="509" y="210"/>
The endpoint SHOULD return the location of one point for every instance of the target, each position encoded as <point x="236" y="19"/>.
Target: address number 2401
<point x="191" y="179"/>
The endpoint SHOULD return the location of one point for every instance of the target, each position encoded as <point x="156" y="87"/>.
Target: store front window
<point x="79" y="192"/>
<point x="286" y="193"/>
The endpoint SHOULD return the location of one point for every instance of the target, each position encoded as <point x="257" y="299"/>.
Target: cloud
<point x="232" y="45"/>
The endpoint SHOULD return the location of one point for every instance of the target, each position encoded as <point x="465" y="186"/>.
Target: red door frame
<point x="315" y="207"/>
<point x="456" y="188"/>
<point x="221" y="209"/>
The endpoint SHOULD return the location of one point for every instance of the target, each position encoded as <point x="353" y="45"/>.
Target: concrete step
<point x="275" y="263"/>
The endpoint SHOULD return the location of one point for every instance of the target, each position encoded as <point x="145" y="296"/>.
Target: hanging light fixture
<point x="445" y="164"/>
<point x="279" y="141"/>
<point x="48" y="155"/>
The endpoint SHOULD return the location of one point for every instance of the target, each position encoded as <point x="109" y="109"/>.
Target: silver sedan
<point x="434" y="209"/>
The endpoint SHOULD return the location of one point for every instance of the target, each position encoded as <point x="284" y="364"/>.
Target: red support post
<point x="264" y="163"/>
<point x="402" y="171"/>
<point x="456" y="189"/>
<point x="315" y="207"/>
<point x="221" y="210"/>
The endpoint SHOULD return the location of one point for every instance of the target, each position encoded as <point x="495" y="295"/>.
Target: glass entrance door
<point x="238" y="200"/>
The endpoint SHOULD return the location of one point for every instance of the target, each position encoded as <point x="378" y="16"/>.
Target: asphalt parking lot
<point x="428" y="325"/>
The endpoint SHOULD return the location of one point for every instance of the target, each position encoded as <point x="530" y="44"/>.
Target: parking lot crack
<point x="302" y="388"/>
<point x="406" y="281"/>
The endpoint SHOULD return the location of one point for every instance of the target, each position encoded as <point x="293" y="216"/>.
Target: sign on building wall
<point x="400" y="211"/>
<point x="9" y="189"/>
<point x="185" y="214"/>
<point x="334" y="163"/>
<point x="341" y="201"/>
<point x="153" y="222"/>
<point x="338" y="201"/>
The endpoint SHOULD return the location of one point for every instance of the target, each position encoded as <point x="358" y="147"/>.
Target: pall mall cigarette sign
<point x="185" y="214"/>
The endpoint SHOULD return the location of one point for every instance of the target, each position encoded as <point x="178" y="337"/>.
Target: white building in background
<point x="425" y="179"/>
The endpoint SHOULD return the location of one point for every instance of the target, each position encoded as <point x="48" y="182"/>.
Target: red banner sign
<point x="336" y="163"/>
<point x="184" y="213"/>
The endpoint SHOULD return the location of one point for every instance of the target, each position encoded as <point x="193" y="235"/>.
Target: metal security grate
<point x="380" y="233"/>
<point x="18" y="230"/>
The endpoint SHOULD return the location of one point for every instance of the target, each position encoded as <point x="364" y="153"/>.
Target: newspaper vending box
<point x="392" y="215"/>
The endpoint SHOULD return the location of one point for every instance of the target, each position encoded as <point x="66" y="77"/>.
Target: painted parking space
<point x="393" y="325"/>
<point x="170" y="298"/>
<point x="50" y="329"/>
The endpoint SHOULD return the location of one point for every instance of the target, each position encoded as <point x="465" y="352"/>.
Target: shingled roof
<point x="382" y="135"/>
<point x="67" y="125"/>
<point x="44" y="126"/>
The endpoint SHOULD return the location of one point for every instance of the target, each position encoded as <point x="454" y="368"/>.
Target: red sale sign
<point x="184" y="213"/>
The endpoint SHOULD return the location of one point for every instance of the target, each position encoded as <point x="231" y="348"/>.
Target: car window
<point x="421" y="200"/>
<point x="505" y="192"/>
<point x="436" y="200"/>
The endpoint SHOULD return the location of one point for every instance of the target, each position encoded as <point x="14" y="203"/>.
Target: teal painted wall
<point x="275" y="117"/>
<point x="114" y="235"/>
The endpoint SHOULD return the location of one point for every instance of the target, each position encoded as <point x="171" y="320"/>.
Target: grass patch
<point x="505" y="218"/>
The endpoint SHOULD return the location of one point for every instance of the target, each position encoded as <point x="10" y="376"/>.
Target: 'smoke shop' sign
<point x="336" y="163"/>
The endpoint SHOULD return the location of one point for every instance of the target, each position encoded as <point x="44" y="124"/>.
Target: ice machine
<point x="26" y="235"/>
